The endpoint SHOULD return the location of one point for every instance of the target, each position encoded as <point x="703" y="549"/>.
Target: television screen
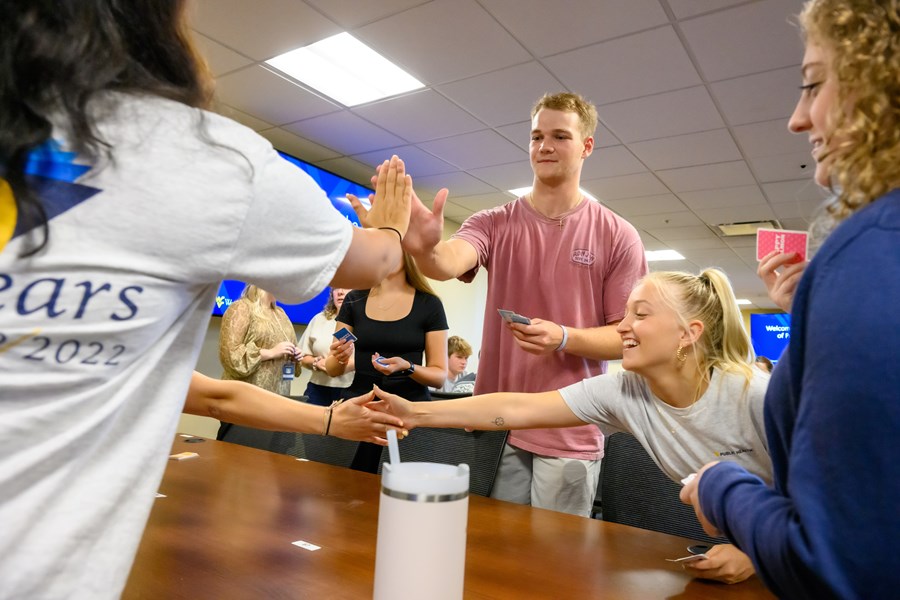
<point x="336" y="188"/>
<point x="770" y="334"/>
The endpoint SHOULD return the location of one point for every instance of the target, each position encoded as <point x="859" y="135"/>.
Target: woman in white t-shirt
<point x="688" y="392"/>
<point x="315" y="346"/>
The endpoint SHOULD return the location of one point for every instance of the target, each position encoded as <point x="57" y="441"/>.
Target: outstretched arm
<point x="488" y="412"/>
<point x="245" y="404"/>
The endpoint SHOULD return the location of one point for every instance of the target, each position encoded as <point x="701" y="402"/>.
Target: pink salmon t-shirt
<point x="577" y="271"/>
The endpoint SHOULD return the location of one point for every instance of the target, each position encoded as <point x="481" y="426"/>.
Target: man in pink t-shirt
<point x="552" y="253"/>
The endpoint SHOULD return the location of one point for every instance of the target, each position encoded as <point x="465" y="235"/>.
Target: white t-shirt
<point x="726" y="422"/>
<point x="106" y="324"/>
<point x="316" y="340"/>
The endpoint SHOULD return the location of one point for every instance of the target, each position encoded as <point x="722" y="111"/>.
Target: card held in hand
<point x="782" y="241"/>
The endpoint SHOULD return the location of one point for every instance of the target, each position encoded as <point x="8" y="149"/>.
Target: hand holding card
<point x="782" y="241"/>
<point x="344" y="334"/>
<point x="513" y="317"/>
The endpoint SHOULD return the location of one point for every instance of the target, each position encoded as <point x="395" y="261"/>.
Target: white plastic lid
<point x="425" y="478"/>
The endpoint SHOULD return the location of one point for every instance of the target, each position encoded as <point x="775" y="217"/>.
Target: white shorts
<point x="562" y="484"/>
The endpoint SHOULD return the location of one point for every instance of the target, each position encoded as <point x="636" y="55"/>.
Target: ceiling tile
<point x="420" y="116"/>
<point x="269" y="96"/>
<point x="705" y="177"/>
<point x="736" y="214"/>
<point x="353" y="13"/>
<point x="263" y="28"/>
<point x="797" y="224"/>
<point x="455" y="212"/>
<point x="540" y="25"/>
<point x="349" y="168"/>
<point x="505" y="96"/>
<point x="219" y="58"/>
<point x="647" y="205"/>
<point x="783" y="167"/>
<point x="700" y="243"/>
<point x="624" y="186"/>
<point x="506" y="177"/>
<point x="459" y="184"/>
<point x="769" y="138"/>
<point x="641" y="64"/>
<point x="478" y="149"/>
<point x="651" y="222"/>
<point x="663" y="115"/>
<point x="687" y="150"/>
<point x="428" y="41"/>
<point x="242" y="117"/>
<point x="745" y="39"/>
<point x="689" y="8"/>
<point x="802" y="190"/>
<point x="345" y="132"/>
<point x="723" y="197"/>
<point x="610" y="162"/>
<point x="671" y="234"/>
<point x="711" y="256"/>
<point x="418" y="162"/>
<point x="760" y="97"/>
<point x="297" y="146"/>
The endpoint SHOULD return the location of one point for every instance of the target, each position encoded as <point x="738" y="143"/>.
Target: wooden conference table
<point x="226" y="527"/>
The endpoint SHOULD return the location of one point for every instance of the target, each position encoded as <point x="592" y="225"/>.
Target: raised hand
<point x="391" y="201"/>
<point x="426" y="226"/>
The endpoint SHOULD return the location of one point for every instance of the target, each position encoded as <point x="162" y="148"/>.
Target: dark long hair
<point x="57" y="55"/>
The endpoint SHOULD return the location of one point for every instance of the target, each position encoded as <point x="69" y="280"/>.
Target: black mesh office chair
<point x="634" y="491"/>
<point x="480" y="450"/>
<point x="324" y="449"/>
<point x="273" y="441"/>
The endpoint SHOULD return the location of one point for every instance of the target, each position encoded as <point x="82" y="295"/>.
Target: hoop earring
<point x="680" y="354"/>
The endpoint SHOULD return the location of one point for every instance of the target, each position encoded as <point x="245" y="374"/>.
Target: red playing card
<point x="781" y="240"/>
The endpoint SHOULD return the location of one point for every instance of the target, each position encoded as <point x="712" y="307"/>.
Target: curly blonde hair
<point x="864" y="39"/>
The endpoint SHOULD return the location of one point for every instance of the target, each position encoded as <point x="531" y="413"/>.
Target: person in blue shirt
<point x="828" y="526"/>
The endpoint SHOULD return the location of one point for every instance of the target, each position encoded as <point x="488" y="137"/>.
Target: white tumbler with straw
<point x="421" y="551"/>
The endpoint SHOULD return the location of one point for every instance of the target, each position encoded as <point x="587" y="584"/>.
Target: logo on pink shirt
<point x="582" y="256"/>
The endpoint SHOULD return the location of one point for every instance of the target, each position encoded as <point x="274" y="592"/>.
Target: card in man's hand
<point x="782" y="241"/>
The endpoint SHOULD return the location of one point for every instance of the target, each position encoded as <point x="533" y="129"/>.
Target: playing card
<point x="781" y="240"/>
<point x="344" y="334"/>
<point x="512" y="317"/>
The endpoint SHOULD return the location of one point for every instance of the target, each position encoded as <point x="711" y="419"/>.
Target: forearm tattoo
<point x="499" y="422"/>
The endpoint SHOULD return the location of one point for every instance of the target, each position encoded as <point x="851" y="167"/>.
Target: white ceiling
<point x="693" y="96"/>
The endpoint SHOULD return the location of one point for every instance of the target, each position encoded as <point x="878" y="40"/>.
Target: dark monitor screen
<point x="770" y="333"/>
<point x="336" y="188"/>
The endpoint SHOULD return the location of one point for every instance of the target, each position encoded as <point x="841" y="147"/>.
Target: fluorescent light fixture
<point x="747" y="228"/>
<point x="743" y="301"/>
<point x="343" y="68"/>
<point x="519" y="192"/>
<point x="656" y="255"/>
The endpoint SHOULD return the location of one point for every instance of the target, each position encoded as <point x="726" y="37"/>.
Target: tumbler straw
<point x="393" y="448"/>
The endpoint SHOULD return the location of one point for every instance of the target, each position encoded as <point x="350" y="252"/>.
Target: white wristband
<point x="562" y="344"/>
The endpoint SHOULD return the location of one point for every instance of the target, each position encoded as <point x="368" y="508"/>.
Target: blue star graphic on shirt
<point x="51" y="172"/>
